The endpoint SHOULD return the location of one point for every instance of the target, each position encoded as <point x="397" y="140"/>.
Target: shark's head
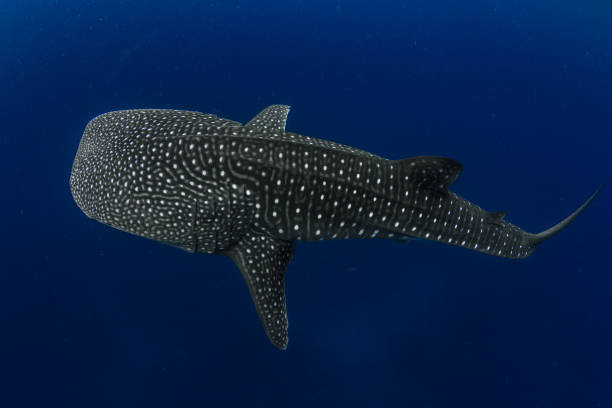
<point x="90" y="174"/>
<point x="122" y="176"/>
<point x="154" y="173"/>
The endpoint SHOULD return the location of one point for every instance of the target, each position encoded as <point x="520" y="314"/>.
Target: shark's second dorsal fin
<point x="274" y="117"/>
<point x="263" y="259"/>
<point x="496" y="217"/>
<point x="432" y="172"/>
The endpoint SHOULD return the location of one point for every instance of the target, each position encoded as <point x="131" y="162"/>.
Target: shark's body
<point x="212" y="185"/>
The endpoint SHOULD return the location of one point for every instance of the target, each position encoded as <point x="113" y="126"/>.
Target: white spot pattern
<point x="208" y="184"/>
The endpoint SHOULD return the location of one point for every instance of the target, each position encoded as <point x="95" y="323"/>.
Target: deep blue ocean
<point x="518" y="91"/>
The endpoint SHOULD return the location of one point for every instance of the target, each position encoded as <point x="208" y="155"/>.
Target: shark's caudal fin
<point x="534" y="240"/>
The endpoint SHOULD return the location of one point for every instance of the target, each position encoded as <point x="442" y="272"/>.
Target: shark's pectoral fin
<point x="432" y="172"/>
<point x="274" y="117"/>
<point x="263" y="259"/>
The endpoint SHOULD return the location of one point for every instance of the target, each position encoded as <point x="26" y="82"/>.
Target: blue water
<point x="518" y="91"/>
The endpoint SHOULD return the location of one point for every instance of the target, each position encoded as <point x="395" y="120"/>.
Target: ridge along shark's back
<point x="211" y="185"/>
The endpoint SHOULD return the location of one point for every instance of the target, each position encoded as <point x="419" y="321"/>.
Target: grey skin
<point x="212" y="185"/>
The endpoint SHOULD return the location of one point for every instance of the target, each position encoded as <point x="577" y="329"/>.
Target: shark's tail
<point x="533" y="240"/>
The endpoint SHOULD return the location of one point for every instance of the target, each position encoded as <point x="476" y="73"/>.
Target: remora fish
<point x="212" y="185"/>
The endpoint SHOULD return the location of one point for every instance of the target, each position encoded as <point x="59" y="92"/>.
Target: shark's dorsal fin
<point x="263" y="259"/>
<point x="432" y="172"/>
<point x="274" y="117"/>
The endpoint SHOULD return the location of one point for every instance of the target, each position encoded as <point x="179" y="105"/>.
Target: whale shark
<point x="212" y="185"/>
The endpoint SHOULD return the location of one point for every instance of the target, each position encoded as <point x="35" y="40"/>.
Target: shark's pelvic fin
<point x="274" y="117"/>
<point x="263" y="259"/>
<point x="431" y="172"/>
